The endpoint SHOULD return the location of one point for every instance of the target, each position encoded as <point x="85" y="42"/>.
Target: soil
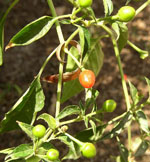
<point x="21" y="64"/>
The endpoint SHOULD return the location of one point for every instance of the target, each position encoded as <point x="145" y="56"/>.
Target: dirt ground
<point x="21" y="64"/>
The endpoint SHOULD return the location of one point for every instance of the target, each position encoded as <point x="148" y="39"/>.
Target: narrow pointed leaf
<point x="69" y="110"/>
<point x="91" y="97"/>
<point x="116" y="28"/>
<point x="74" y="149"/>
<point x="49" y="119"/>
<point x="87" y="135"/>
<point x="32" y="32"/>
<point x="17" y="160"/>
<point x="21" y="151"/>
<point x="27" y="129"/>
<point x="143" y="122"/>
<point x="7" y="151"/>
<point x="33" y="159"/>
<point x="31" y="102"/>
<point x="93" y="127"/>
<point x="93" y="60"/>
<point x="123" y="36"/>
<point x="123" y="151"/>
<point x="108" y="7"/>
<point x="148" y="83"/>
<point x="142" y="148"/>
<point x="85" y="40"/>
<point x="134" y="94"/>
<point x="120" y="126"/>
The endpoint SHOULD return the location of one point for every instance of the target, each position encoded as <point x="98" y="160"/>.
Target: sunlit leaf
<point x="142" y="148"/>
<point x="148" y="83"/>
<point x="74" y="149"/>
<point x="21" y="151"/>
<point x="87" y="135"/>
<point x="134" y="93"/>
<point x="31" y="102"/>
<point x="33" y="159"/>
<point x="143" y="122"/>
<point x="93" y="60"/>
<point x="85" y="40"/>
<point x="120" y="126"/>
<point x="123" y="151"/>
<point x="32" y="32"/>
<point x="69" y="110"/>
<point x="7" y="151"/>
<point x="108" y="7"/>
<point x="123" y="36"/>
<point x="49" y="119"/>
<point x="26" y="128"/>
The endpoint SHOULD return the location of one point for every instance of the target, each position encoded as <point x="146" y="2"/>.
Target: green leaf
<point x="2" y="22"/>
<point x="7" y="151"/>
<point x="93" y="127"/>
<point x="26" y="128"/>
<point x="123" y="151"/>
<point x="142" y="148"/>
<point x="93" y="60"/>
<point x="72" y="155"/>
<point x="32" y="32"/>
<point x="86" y="121"/>
<point x="91" y="96"/>
<point x="91" y="13"/>
<point x="85" y="40"/>
<point x="74" y="149"/>
<point x="148" y="83"/>
<point x="49" y="119"/>
<point x="116" y="28"/>
<point x="134" y="94"/>
<point x="69" y="110"/>
<point x="123" y="36"/>
<point x="18" y="160"/>
<point x="108" y="7"/>
<point x="25" y="108"/>
<point x="21" y="151"/>
<point x="120" y="126"/>
<point x="87" y="135"/>
<point x="33" y="159"/>
<point x="44" y="148"/>
<point x="142" y="120"/>
<point x="65" y="21"/>
<point x="45" y="159"/>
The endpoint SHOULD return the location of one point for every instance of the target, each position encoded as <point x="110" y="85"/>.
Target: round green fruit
<point x="109" y="105"/>
<point x="52" y="154"/>
<point x="85" y="3"/>
<point x="126" y="13"/>
<point x="39" y="131"/>
<point x="88" y="150"/>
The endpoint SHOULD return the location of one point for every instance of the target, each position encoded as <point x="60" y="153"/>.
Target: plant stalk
<point x="46" y="61"/>
<point x="144" y="5"/>
<point x="125" y="90"/>
<point x="8" y="10"/>
<point x="61" y="40"/>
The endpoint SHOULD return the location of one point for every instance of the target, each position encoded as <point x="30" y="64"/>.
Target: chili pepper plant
<point x="80" y="58"/>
